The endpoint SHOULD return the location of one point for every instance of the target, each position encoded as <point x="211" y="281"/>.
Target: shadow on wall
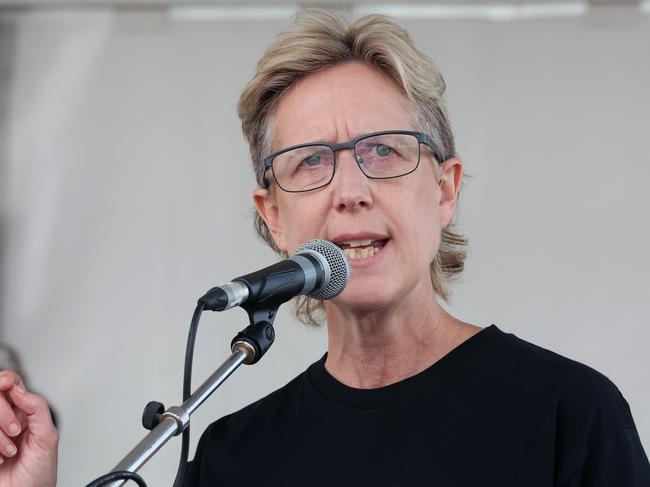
<point x="6" y="54"/>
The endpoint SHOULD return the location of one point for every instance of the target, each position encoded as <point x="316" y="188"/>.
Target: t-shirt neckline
<point x="334" y="390"/>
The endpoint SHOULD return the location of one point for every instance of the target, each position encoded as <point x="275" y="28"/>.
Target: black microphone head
<point x="335" y="263"/>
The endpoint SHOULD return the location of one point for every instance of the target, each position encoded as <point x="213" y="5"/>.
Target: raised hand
<point x="28" y="438"/>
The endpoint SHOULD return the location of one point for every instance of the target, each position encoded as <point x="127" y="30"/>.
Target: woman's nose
<point x="351" y="187"/>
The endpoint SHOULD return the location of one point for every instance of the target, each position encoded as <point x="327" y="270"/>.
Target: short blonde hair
<point x="319" y="39"/>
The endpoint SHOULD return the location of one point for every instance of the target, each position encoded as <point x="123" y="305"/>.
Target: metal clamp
<point x="179" y="415"/>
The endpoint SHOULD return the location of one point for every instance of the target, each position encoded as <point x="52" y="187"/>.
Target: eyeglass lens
<point x="379" y="156"/>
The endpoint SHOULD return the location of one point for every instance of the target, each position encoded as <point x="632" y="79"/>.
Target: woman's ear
<point x="451" y="174"/>
<point x="267" y="207"/>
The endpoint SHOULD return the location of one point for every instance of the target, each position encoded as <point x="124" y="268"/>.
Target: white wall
<point x="129" y="196"/>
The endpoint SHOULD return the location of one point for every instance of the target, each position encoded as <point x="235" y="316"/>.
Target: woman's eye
<point x="383" y="150"/>
<point x="312" y="160"/>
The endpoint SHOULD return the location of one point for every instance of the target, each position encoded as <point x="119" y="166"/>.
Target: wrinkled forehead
<point x="337" y="104"/>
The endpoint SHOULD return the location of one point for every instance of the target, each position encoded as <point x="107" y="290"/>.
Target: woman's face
<point x="403" y="217"/>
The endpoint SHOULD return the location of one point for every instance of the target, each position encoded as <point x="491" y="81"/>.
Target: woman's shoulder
<point x="576" y="389"/>
<point x="278" y="405"/>
<point x="594" y="432"/>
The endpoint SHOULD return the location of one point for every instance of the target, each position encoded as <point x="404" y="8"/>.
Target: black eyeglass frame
<point x="422" y="138"/>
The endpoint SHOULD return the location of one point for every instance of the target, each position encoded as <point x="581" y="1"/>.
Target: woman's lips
<point x="358" y="254"/>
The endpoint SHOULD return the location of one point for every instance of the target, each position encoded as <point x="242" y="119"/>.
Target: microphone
<point x="319" y="269"/>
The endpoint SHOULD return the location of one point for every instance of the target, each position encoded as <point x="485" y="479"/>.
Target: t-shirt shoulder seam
<point x="575" y="367"/>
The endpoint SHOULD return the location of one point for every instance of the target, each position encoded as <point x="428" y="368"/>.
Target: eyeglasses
<point x="379" y="155"/>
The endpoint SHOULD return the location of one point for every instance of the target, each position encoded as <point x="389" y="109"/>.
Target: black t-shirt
<point x="495" y="411"/>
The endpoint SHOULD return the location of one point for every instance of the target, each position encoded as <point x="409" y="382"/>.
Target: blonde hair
<point x="319" y="39"/>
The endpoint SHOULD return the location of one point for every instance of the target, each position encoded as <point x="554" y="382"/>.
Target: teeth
<point x="358" y="243"/>
<point x="355" y="253"/>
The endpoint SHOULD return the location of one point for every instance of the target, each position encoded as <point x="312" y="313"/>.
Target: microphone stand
<point x="247" y="347"/>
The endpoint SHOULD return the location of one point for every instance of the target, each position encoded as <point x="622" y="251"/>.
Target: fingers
<point x="37" y="413"/>
<point x="31" y="454"/>
<point x="7" y="447"/>
<point x="8" y="378"/>
<point x="21" y="410"/>
<point x="9" y="422"/>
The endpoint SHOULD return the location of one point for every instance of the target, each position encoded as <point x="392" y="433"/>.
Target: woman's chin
<point x="360" y="301"/>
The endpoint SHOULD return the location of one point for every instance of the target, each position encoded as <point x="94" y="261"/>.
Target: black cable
<point x="187" y="391"/>
<point x="114" y="476"/>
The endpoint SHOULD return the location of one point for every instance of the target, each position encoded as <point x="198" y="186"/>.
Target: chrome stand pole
<point x="176" y="418"/>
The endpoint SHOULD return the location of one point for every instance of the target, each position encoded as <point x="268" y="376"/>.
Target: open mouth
<point x="361" y="249"/>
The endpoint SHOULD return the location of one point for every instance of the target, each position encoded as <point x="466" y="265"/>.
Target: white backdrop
<point x="128" y="195"/>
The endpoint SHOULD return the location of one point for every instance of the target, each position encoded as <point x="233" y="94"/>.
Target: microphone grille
<point x="338" y="263"/>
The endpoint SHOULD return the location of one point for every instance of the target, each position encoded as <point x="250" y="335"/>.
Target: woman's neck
<point x="378" y="349"/>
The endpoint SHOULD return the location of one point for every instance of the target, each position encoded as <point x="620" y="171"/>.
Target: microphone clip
<point x="257" y="337"/>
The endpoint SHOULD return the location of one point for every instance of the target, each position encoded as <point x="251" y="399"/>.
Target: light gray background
<point x="126" y="194"/>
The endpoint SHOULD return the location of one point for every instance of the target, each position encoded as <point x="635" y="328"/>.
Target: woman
<point x="351" y="143"/>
